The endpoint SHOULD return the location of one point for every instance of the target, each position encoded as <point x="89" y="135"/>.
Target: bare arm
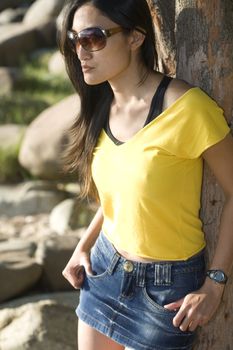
<point x="92" y="232"/>
<point x="80" y="259"/>
<point x="197" y="308"/>
<point x="220" y="160"/>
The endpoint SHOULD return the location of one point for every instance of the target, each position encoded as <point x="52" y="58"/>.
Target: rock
<point x="42" y="322"/>
<point x="10" y="15"/>
<point x="11" y="134"/>
<point x="8" y="77"/>
<point x="43" y="11"/>
<point x="16" y="39"/>
<point x="54" y="254"/>
<point x="60" y="216"/>
<point x="57" y="65"/>
<point x="5" y="4"/>
<point x="17" y="246"/>
<point x="18" y="273"/>
<point x="27" y="199"/>
<point x="44" y="140"/>
<point x="28" y="227"/>
<point x="70" y="215"/>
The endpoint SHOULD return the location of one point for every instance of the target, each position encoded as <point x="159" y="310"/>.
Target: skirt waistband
<point x="161" y="269"/>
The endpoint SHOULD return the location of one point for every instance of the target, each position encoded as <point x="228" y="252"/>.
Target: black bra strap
<point x="157" y="101"/>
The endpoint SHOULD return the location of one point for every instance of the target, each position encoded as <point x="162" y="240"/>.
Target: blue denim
<point x="124" y="299"/>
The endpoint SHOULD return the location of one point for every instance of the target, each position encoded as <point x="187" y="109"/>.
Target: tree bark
<point x="195" y="42"/>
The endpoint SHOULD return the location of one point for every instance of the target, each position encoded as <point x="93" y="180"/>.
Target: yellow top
<point x="149" y="186"/>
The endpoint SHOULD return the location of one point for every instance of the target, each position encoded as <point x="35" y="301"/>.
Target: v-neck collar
<point x="145" y="127"/>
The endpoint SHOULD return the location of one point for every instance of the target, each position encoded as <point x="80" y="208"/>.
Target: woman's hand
<point x="76" y="267"/>
<point x="197" y="308"/>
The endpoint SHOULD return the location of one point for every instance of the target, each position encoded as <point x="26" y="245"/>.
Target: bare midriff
<point x="136" y="258"/>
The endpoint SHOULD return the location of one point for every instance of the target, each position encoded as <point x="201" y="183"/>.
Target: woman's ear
<point x="136" y="39"/>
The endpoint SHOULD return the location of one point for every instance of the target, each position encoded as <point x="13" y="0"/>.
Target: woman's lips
<point x="86" y="68"/>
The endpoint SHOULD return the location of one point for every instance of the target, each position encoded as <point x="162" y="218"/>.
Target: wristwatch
<point x="217" y="276"/>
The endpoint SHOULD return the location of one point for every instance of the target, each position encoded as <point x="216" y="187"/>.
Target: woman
<point x="138" y="146"/>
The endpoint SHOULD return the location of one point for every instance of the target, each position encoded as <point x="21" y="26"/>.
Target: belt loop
<point x="163" y="275"/>
<point x="141" y="274"/>
<point x="113" y="263"/>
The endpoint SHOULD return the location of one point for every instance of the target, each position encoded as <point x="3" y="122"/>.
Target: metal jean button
<point x="128" y="266"/>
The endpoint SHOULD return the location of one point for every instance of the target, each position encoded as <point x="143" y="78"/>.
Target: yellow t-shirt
<point x="150" y="186"/>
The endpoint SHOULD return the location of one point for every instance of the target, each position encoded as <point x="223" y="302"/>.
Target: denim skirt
<point x="124" y="299"/>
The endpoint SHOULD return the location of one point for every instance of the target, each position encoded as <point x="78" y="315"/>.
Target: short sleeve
<point x="199" y="124"/>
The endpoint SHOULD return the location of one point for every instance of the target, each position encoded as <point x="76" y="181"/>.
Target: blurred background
<point x="41" y="219"/>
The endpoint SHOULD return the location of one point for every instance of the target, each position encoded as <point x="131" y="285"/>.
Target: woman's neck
<point x="128" y="86"/>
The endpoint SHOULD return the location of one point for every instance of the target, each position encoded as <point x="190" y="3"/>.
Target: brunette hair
<point x="96" y="99"/>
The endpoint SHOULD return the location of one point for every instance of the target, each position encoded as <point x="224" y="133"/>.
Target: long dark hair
<point x="96" y="100"/>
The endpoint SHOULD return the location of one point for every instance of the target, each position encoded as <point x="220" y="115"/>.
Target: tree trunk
<point x="195" y="43"/>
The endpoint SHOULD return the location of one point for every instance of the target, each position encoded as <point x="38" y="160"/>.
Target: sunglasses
<point x="94" y="39"/>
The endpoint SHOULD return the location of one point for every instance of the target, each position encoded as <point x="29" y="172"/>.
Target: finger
<point x="181" y="314"/>
<point x="78" y="277"/>
<point x="79" y="273"/>
<point x="72" y="279"/>
<point x="174" y="305"/>
<point x="184" y="326"/>
<point x="74" y="275"/>
<point x="193" y="325"/>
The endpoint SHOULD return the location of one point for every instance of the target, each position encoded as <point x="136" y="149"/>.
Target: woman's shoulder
<point x="176" y="89"/>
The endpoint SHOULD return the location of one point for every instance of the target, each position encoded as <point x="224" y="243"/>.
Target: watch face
<point x="218" y="276"/>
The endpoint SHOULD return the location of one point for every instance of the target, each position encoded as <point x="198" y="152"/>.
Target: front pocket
<point x="157" y="296"/>
<point x="99" y="264"/>
<point x="182" y="284"/>
<point x="152" y="297"/>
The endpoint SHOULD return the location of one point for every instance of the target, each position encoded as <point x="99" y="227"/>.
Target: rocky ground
<point x="40" y="322"/>
<point x="41" y="221"/>
<point x="40" y="229"/>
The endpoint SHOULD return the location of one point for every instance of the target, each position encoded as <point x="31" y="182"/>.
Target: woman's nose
<point x="82" y="53"/>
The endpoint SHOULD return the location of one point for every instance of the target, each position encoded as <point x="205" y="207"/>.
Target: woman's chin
<point x="92" y="81"/>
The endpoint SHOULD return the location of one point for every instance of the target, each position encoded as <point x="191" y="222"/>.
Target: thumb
<point x="175" y="305"/>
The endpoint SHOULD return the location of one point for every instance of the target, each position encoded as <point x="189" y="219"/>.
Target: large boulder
<point x="8" y="77"/>
<point x="12" y="15"/>
<point x="5" y="4"/>
<point x="71" y="214"/>
<point x="44" y="140"/>
<point x="11" y="134"/>
<point x="57" y="65"/>
<point x="43" y="10"/>
<point x="17" y="39"/>
<point x="29" y="198"/>
<point x="42" y="322"/>
<point x="54" y="253"/>
<point x="18" y="269"/>
<point x="17" y="247"/>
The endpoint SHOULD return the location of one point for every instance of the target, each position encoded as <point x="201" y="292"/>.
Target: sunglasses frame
<point x="75" y="37"/>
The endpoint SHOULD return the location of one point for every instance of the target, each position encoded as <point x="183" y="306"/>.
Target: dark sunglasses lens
<point x="71" y="40"/>
<point x="92" y="39"/>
